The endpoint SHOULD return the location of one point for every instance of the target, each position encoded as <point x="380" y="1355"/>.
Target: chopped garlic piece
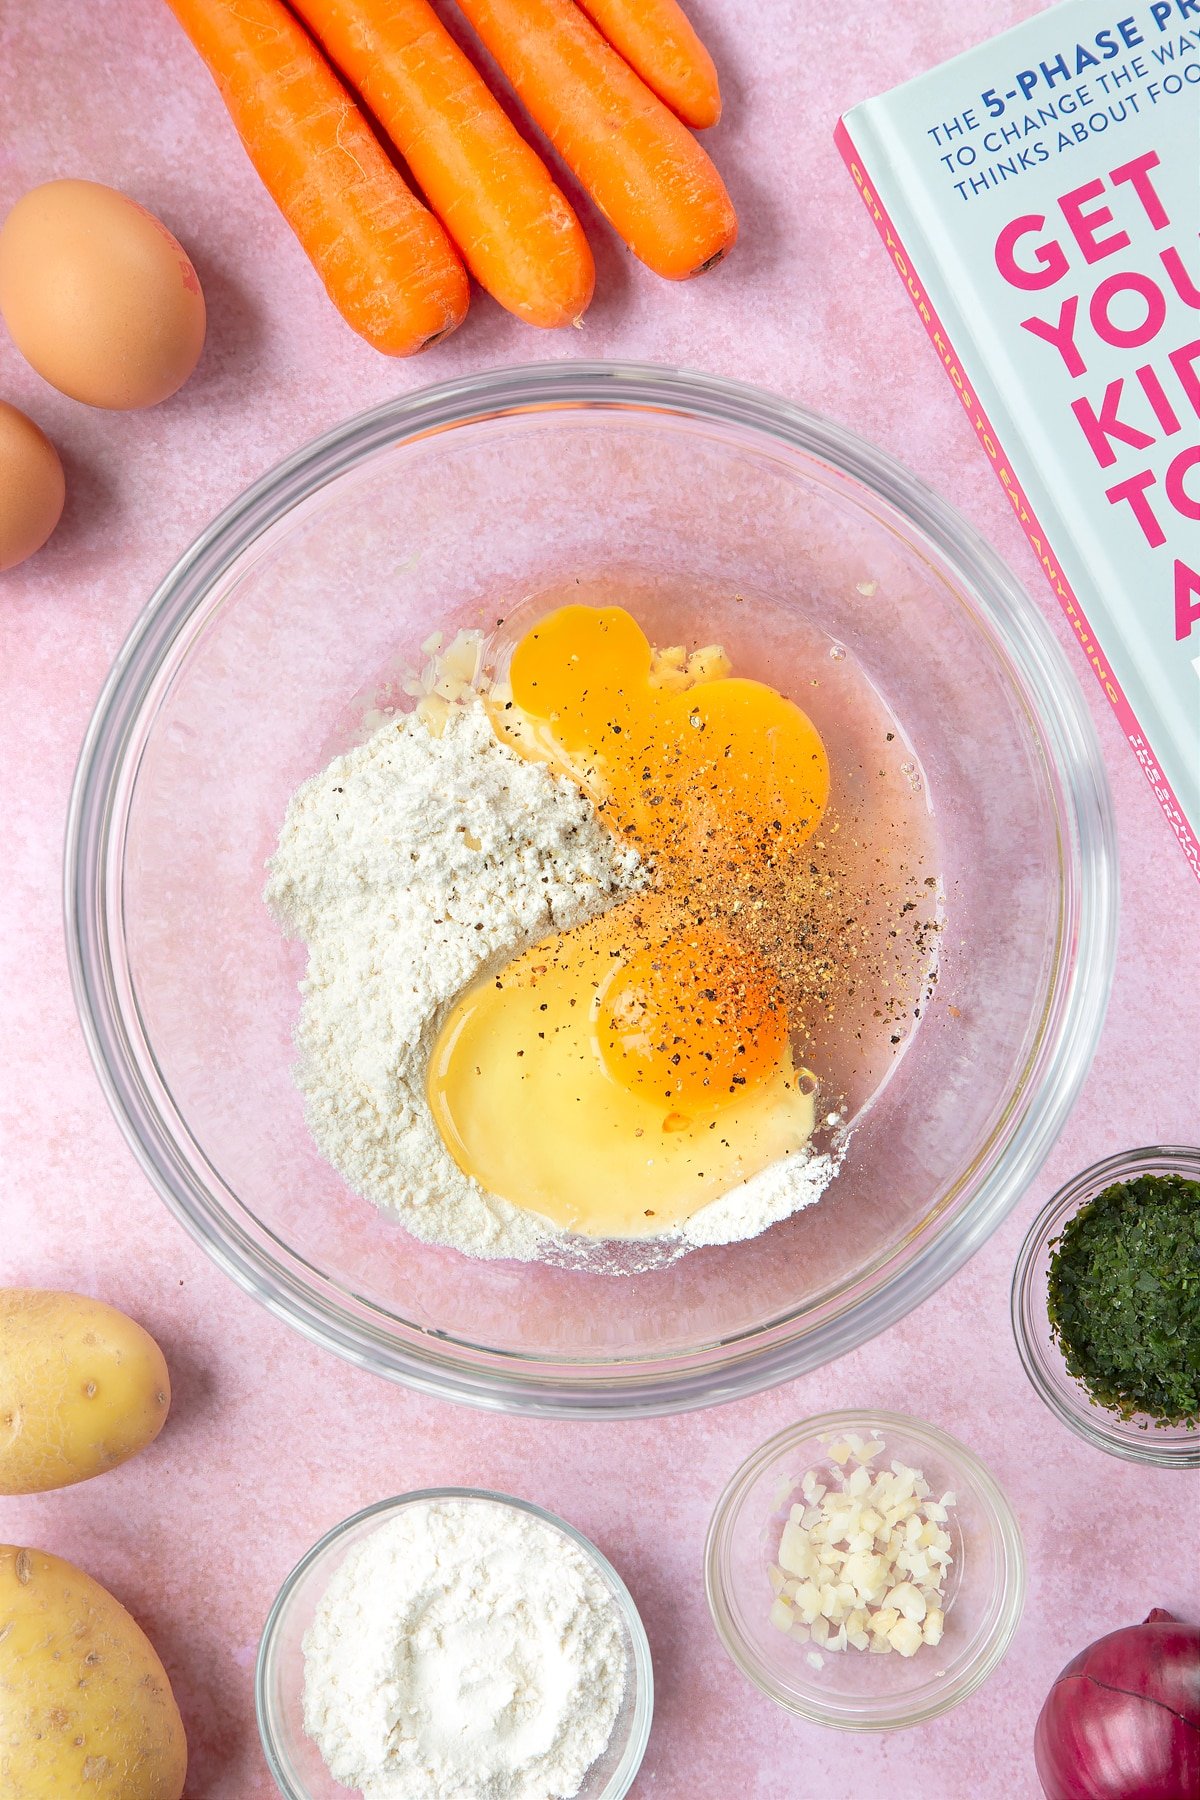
<point x="670" y="681"/>
<point x="461" y="658"/>
<point x="808" y="1602"/>
<point x="781" y="1615"/>
<point x="907" y="1600"/>
<point x="905" y="1637"/>
<point x="866" y="1571"/>
<point x="709" y="664"/>
<point x="796" y="1554"/>
<point x="673" y="670"/>
<point x="434" y="711"/>
<point x="863" y="1556"/>
<point x="448" y="679"/>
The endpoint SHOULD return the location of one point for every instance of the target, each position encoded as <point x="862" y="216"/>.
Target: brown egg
<point x="32" y="489"/>
<point x="99" y="296"/>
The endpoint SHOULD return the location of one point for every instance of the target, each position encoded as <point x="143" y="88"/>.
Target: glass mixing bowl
<point x="299" y="1769"/>
<point x="287" y="620"/>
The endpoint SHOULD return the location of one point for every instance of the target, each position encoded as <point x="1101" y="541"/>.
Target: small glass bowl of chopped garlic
<point x="865" y="1570"/>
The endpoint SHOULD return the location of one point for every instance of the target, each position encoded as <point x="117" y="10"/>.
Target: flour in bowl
<point x="465" y="1650"/>
<point x="412" y="866"/>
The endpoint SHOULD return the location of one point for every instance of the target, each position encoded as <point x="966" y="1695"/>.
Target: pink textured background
<point x="272" y="1441"/>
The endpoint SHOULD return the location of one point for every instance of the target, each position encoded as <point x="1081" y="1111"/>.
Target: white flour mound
<point x="465" y="1650"/>
<point x="410" y="867"/>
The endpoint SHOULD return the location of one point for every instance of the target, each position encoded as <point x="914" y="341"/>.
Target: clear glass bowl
<point x="854" y="1690"/>
<point x="1138" y="1439"/>
<point x="257" y="658"/>
<point x="293" y="1758"/>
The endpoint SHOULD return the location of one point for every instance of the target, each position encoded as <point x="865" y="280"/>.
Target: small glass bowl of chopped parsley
<point x="1106" y="1305"/>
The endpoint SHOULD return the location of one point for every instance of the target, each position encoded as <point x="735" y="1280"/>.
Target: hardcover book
<point x="1040" y="200"/>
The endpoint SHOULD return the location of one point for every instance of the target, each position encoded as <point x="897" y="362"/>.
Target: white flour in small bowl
<point x="411" y="866"/>
<point x="465" y="1650"/>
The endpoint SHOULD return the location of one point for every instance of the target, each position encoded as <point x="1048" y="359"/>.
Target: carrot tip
<point x="435" y="337"/>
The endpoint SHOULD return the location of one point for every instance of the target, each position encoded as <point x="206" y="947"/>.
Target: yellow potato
<point x="81" y="1389"/>
<point x="86" y="1710"/>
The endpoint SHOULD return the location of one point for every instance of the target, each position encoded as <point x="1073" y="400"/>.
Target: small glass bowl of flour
<point x="454" y="1644"/>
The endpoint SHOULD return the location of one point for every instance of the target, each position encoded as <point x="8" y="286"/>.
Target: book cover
<point x="1040" y="199"/>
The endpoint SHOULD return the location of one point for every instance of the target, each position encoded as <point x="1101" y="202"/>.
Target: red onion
<point x="1122" y="1722"/>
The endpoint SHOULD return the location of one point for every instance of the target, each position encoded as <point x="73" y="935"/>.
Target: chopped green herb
<point x="1124" y="1298"/>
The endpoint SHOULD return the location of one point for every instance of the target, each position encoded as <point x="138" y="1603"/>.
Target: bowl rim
<point x="641" y="1662"/>
<point x="1163" y="1447"/>
<point x="1066" y="1032"/>
<point x="893" y="1714"/>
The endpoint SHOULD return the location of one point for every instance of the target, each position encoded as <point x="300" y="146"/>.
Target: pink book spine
<point x="1017" y="499"/>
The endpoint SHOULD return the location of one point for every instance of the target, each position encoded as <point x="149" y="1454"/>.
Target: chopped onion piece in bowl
<point x="876" y="1534"/>
<point x="868" y="1556"/>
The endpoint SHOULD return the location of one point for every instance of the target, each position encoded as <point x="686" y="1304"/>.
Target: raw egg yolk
<point x="728" y="767"/>
<point x="691" y="1021"/>
<point x="529" y="1087"/>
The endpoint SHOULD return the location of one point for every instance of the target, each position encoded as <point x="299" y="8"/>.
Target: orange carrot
<point x="491" y="189"/>
<point x="658" y="41"/>
<point x="645" y="171"/>
<point x="386" y="263"/>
